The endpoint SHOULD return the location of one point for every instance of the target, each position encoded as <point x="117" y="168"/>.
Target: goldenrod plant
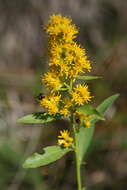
<point x="66" y="98"/>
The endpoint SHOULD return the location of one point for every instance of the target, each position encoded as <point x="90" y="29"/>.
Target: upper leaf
<point x="51" y="154"/>
<point x="90" y="110"/>
<point x="40" y="117"/>
<point x="106" y="104"/>
<point x="84" y="136"/>
<point x="89" y="77"/>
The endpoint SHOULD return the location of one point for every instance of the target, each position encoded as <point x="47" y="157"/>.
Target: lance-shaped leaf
<point x="38" y="118"/>
<point x="102" y="108"/>
<point x="89" y="77"/>
<point x="83" y="138"/>
<point x="51" y="154"/>
<point x="85" y="135"/>
<point x="90" y="110"/>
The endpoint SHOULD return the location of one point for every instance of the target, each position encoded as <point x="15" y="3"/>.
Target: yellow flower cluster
<point x="81" y="95"/>
<point x="50" y="102"/>
<point x="85" y="119"/>
<point x="52" y="81"/>
<point x="66" y="106"/>
<point x="67" y="60"/>
<point x="64" y="139"/>
<point x="61" y="28"/>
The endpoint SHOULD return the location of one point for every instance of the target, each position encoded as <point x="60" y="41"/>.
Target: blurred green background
<point x="103" y="32"/>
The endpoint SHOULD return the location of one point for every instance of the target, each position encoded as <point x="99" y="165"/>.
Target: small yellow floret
<point x="64" y="111"/>
<point x="87" y="124"/>
<point x="64" y="134"/>
<point x="64" y="139"/>
<point x="81" y="95"/>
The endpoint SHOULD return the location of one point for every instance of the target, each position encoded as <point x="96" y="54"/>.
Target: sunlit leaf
<point x="89" y="77"/>
<point x="38" y="118"/>
<point x="51" y="154"/>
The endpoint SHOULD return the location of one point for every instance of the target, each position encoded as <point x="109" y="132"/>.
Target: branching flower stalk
<point x="66" y="97"/>
<point x="67" y="61"/>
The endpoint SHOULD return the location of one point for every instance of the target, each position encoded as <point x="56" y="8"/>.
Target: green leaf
<point x="84" y="136"/>
<point x="37" y="118"/>
<point x="90" y="110"/>
<point x="51" y="154"/>
<point x="89" y="77"/>
<point x="102" y="108"/>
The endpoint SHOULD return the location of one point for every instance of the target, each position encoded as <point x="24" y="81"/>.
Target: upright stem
<point x="78" y="164"/>
<point x="78" y="171"/>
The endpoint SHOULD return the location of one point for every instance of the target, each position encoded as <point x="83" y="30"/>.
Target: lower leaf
<point x="51" y="154"/>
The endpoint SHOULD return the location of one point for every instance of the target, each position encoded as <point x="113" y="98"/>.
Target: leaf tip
<point x="18" y="121"/>
<point x="117" y="95"/>
<point x="24" y="165"/>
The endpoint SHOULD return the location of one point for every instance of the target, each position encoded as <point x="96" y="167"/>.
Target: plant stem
<point x="78" y="164"/>
<point x="78" y="171"/>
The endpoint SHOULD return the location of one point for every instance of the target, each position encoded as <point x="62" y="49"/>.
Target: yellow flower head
<point x="64" y="111"/>
<point x="65" y="106"/>
<point x="79" y="63"/>
<point x="52" y="81"/>
<point x="50" y="102"/>
<point x="67" y="103"/>
<point x="81" y="95"/>
<point x="61" y="28"/>
<point x="85" y="119"/>
<point x="87" y="124"/>
<point x="64" y="139"/>
<point x="69" y="59"/>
